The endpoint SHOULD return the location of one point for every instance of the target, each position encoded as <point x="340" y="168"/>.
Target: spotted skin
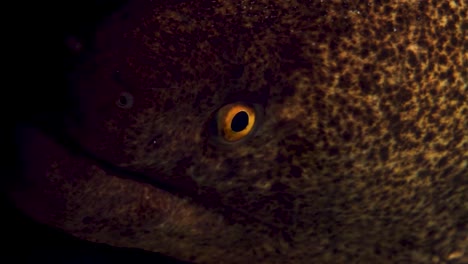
<point x="361" y="152"/>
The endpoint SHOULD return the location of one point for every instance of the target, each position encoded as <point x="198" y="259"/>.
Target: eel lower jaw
<point x="71" y="193"/>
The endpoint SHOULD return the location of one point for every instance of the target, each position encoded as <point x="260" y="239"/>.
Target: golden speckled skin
<point x="361" y="155"/>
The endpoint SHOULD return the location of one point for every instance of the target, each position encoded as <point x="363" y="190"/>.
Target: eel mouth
<point x="73" y="193"/>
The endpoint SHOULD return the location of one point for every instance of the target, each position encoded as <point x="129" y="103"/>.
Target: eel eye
<point x="235" y="121"/>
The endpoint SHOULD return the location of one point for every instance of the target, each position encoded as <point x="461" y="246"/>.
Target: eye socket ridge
<point x="125" y="100"/>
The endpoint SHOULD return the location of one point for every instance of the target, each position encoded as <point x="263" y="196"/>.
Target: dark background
<point x="35" y="62"/>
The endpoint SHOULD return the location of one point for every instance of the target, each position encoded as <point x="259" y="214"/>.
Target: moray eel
<point x="265" y="131"/>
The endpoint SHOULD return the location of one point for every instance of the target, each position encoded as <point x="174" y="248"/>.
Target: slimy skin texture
<point x="360" y="154"/>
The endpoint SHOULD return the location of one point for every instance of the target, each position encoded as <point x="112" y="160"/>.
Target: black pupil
<point x="240" y="121"/>
<point x="123" y="100"/>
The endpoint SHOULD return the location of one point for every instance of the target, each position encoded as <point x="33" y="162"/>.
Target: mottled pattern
<point x="361" y="155"/>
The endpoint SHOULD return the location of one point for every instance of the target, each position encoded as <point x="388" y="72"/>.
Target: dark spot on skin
<point x="236" y="71"/>
<point x="464" y="26"/>
<point x="278" y="187"/>
<point x="457" y="139"/>
<point x="420" y="159"/>
<point x="127" y="232"/>
<point x="344" y="80"/>
<point x="384" y="54"/>
<point x="423" y="173"/>
<point x="431" y="233"/>
<point x="341" y="101"/>
<point x="422" y="42"/>
<point x="454" y="41"/>
<point x="445" y="7"/>
<point x="395" y="125"/>
<point x="430" y="67"/>
<point x="460" y="179"/>
<point x="268" y="75"/>
<point x="404" y="95"/>
<point x="364" y="52"/>
<point x="449" y="48"/>
<point x="347" y="136"/>
<point x="333" y="151"/>
<point x="441" y="41"/>
<point x="447" y="172"/>
<point x="296" y="171"/>
<point x="283" y="158"/>
<point x="365" y="85"/>
<point x="86" y="220"/>
<point x="371" y="154"/>
<point x="332" y="122"/>
<point x="387" y="10"/>
<point x="384" y="153"/>
<point x="416" y="132"/>
<point x="438" y="147"/>
<point x="269" y="175"/>
<point x="412" y="59"/>
<point x="368" y="67"/>
<point x="388" y="89"/>
<point x="287" y="92"/>
<point x="348" y="164"/>
<point x="442" y="162"/>
<point x="449" y="75"/>
<point x="407" y="242"/>
<point x="168" y="104"/>
<point x="376" y="77"/>
<point x="418" y="78"/>
<point x="294" y="143"/>
<point x="389" y="27"/>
